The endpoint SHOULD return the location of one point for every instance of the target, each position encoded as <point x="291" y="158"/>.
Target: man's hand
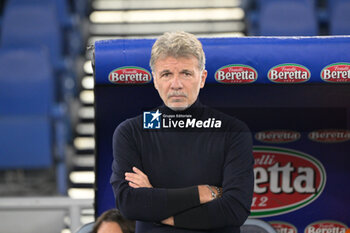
<point x="169" y="221"/>
<point x="137" y="179"/>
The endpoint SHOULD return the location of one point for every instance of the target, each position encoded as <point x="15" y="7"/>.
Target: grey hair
<point x="177" y="44"/>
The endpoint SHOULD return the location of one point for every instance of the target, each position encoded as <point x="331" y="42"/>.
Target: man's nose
<point x="176" y="82"/>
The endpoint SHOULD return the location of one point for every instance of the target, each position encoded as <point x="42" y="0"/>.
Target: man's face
<point x="178" y="81"/>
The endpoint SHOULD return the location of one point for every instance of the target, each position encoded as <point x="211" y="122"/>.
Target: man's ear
<point x="154" y="81"/>
<point x="203" y="77"/>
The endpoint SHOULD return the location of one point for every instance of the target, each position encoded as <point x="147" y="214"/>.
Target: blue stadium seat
<point x="287" y="18"/>
<point x="36" y="25"/>
<point x="339" y="17"/>
<point x="25" y="142"/>
<point x="33" y="25"/>
<point x="27" y="82"/>
<point x="32" y="124"/>
<point x="68" y="22"/>
<point x="60" y="7"/>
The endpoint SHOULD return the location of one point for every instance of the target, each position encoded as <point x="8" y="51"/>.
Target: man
<point x="196" y="174"/>
<point x="111" y="221"/>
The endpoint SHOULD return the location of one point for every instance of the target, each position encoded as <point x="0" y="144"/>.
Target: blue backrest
<point x="60" y="6"/>
<point x="25" y="142"/>
<point x="333" y="3"/>
<point x="26" y="100"/>
<point x="33" y="25"/>
<point x="339" y="17"/>
<point x="288" y="18"/>
<point x="26" y="82"/>
<point x="260" y="53"/>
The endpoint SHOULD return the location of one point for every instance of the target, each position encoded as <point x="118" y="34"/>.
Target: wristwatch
<point x="213" y="194"/>
<point x="219" y="191"/>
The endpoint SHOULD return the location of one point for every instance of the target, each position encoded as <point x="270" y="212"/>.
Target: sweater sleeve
<point x="233" y="208"/>
<point x="146" y="204"/>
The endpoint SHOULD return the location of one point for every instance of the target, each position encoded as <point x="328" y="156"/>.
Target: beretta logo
<point x="283" y="227"/>
<point x="336" y="73"/>
<point x="326" y="226"/>
<point x="285" y="180"/>
<point x="236" y="74"/>
<point x="329" y="135"/>
<point x="289" y="73"/>
<point x="129" y="75"/>
<point x="277" y="136"/>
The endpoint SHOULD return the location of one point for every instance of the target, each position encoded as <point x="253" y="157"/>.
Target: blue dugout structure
<point x="291" y="91"/>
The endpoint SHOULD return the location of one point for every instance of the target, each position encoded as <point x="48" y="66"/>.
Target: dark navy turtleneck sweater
<point x="178" y="159"/>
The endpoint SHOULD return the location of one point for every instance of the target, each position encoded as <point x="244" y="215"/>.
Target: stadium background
<point x="46" y="83"/>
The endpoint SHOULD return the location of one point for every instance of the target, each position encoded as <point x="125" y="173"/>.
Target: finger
<point x="134" y="176"/>
<point x="138" y="178"/>
<point x="135" y="179"/>
<point x="128" y="178"/>
<point x="130" y="174"/>
<point x="138" y="171"/>
<point x="133" y="185"/>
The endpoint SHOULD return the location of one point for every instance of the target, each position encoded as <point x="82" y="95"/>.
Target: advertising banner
<point x="291" y="92"/>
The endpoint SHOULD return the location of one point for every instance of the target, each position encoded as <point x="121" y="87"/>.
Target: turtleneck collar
<point x="195" y="109"/>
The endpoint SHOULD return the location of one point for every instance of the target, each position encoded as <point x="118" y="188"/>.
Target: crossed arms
<point x="188" y="207"/>
<point x="138" y="179"/>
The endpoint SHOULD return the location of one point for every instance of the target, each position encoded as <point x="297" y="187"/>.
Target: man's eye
<point x="187" y="74"/>
<point x="165" y="75"/>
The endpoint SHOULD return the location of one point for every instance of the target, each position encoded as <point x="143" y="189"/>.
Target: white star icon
<point x="156" y="115"/>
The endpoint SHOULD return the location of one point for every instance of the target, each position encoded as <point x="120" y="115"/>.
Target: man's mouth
<point x="177" y="95"/>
